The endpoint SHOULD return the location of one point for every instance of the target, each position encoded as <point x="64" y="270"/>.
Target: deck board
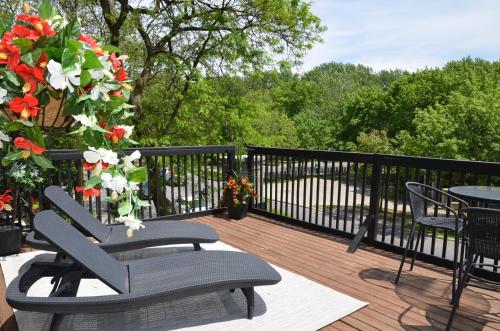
<point x="419" y="302"/>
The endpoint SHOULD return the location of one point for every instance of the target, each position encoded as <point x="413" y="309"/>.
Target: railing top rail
<point x="480" y="167"/>
<point x="72" y="154"/>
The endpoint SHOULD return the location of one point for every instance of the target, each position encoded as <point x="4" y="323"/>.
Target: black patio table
<point x="475" y="194"/>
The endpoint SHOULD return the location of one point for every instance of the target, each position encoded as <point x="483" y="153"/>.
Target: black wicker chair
<point x="482" y="239"/>
<point x="421" y="196"/>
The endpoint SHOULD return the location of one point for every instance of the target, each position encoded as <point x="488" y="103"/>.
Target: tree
<point x="188" y="38"/>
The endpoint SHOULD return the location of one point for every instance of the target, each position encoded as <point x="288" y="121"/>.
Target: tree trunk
<point x="139" y="86"/>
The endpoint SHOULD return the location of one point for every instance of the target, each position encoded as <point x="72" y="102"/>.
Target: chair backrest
<point x="417" y="203"/>
<point x="483" y="231"/>
<point x="77" y="212"/>
<point x="73" y="243"/>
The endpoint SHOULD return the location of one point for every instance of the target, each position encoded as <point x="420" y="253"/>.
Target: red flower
<point x="31" y="76"/>
<point x="42" y="62"/>
<point x="91" y="166"/>
<point x="116" y="134"/>
<point x="5" y="200"/>
<point x="121" y="75"/>
<point x="89" y="192"/>
<point x="21" y="31"/>
<point x="88" y="39"/>
<point x="28" y="145"/>
<point x="92" y="43"/>
<point x="42" y="28"/>
<point x="115" y="62"/>
<point x="25" y="106"/>
<point x="9" y="54"/>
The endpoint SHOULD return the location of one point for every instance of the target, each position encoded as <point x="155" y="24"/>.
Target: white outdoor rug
<point x="296" y="303"/>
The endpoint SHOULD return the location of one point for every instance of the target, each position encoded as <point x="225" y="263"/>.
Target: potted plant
<point x="52" y="74"/>
<point x="10" y="233"/>
<point x="238" y="189"/>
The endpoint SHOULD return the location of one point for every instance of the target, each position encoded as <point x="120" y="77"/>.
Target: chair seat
<point x="441" y="222"/>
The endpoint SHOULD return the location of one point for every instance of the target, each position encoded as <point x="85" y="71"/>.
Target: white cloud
<point x="407" y="34"/>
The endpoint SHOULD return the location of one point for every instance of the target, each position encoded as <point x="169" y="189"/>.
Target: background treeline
<point x="452" y="112"/>
<point x="208" y="72"/>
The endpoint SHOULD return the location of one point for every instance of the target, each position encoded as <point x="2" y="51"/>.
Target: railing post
<point x="374" y="199"/>
<point x="231" y="160"/>
<point x="251" y="176"/>
<point x="369" y="225"/>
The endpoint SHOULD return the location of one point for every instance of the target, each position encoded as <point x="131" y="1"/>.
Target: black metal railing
<point x="342" y="192"/>
<point x="181" y="180"/>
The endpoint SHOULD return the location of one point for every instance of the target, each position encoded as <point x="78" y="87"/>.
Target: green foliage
<point x="374" y="142"/>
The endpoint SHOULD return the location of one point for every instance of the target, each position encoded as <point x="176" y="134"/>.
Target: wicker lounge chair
<point x="138" y="283"/>
<point x="113" y="238"/>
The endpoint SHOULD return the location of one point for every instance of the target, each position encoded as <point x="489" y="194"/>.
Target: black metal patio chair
<point x="482" y="239"/>
<point x="421" y="195"/>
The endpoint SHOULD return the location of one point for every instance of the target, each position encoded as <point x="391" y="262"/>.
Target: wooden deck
<point x="419" y="302"/>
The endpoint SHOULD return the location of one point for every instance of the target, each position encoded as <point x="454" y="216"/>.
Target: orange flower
<point x="21" y="31"/>
<point x="121" y="75"/>
<point x="31" y="76"/>
<point x="91" y="192"/>
<point x="92" y="43"/>
<point x="5" y="200"/>
<point x="9" y="54"/>
<point x="42" y="28"/>
<point x="116" y="134"/>
<point x="27" y="145"/>
<point x="26" y="106"/>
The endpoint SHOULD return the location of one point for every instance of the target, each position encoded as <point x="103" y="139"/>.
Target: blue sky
<point x="406" y="34"/>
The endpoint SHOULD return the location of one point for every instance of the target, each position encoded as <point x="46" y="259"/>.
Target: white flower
<point x="116" y="183"/>
<point x="131" y="222"/>
<point x="60" y="79"/>
<point x="101" y="154"/>
<point x="3" y="138"/>
<point x="129" y="159"/>
<point x="100" y="90"/>
<point x="85" y="120"/>
<point x="98" y="74"/>
<point x="128" y="130"/>
<point x="3" y="94"/>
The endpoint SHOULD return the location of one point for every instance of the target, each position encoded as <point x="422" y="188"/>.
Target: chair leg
<point x="410" y="239"/>
<point x="455" y="266"/>
<point x="197" y="247"/>
<point x="415" y="252"/>
<point x="459" y="293"/>
<point x="250" y="295"/>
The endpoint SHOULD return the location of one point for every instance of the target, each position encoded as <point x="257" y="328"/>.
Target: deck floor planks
<point x="419" y="302"/>
<point x="424" y="305"/>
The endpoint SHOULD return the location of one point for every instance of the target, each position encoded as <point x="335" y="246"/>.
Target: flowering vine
<point x="43" y="59"/>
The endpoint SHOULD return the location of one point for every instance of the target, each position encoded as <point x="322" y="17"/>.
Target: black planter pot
<point x="236" y="212"/>
<point x="10" y="239"/>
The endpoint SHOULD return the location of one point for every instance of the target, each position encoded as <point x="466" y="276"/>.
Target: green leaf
<point x="35" y="134"/>
<point x="11" y="157"/>
<point x="74" y="45"/>
<point x="124" y="208"/>
<point x="28" y="59"/>
<point x="53" y="52"/>
<point x="91" y="60"/>
<point x="25" y="123"/>
<point x="71" y="107"/>
<point x="46" y="10"/>
<point x="92" y="181"/>
<point x="23" y="44"/>
<point x="73" y="29"/>
<point x="85" y="78"/>
<point x="99" y="129"/>
<point x="111" y="48"/>
<point x="12" y="77"/>
<point x="35" y="55"/>
<point x="13" y="126"/>
<point x="69" y="59"/>
<point x="138" y="175"/>
<point x="42" y="161"/>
